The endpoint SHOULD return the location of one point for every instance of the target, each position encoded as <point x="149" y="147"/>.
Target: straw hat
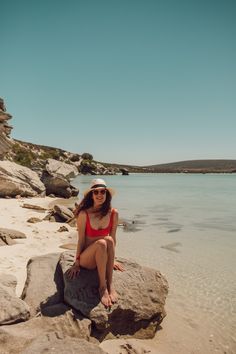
<point x="99" y="183"/>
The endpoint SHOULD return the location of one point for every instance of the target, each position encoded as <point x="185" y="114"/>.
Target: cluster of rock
<point x="65" y="314"/>
<point x="17" y="180"/>
<point x="5" y="129"/>
<point x="30" y="170"/>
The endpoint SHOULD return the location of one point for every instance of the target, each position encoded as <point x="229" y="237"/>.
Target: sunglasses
<point x="99" y="191"/>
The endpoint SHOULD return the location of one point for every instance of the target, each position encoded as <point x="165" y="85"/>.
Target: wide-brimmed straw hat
<point x="98" y="183"/>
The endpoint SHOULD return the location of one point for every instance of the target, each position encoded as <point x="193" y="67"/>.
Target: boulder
<point x="8" y="236"/>
<point x="12" y="309"/>
<point x="17" y="337"/>
<point x="140" y="309"/>
<point x="44" y="283"/>
<point x="61" y="169"/>
<point x="59" y="186"/>
<point x="124" y="171"/>
<point x="19" y="180"/>
<point x="65" y="213"/>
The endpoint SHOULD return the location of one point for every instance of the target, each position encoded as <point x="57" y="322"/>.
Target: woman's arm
<point x="114" y="225"/>
<point x="81" y="223"/>
<point x="117" y="265"/>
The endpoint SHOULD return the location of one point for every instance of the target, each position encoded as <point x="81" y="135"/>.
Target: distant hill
<point x="195" y="166"/>
<point x="35" y="156"/>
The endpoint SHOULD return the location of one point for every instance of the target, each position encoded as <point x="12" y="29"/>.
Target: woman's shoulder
<point x="114" y="211"/>
<point x="82" y="214"/>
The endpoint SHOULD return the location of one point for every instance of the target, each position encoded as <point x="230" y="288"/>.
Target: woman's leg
<point x="110" y="264"/>
<point x="95" y="256"/>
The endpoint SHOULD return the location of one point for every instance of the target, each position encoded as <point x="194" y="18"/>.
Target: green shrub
<point x="22" y="155"/>
<point x="87" y="156"/>
<point x="50" y="154"/>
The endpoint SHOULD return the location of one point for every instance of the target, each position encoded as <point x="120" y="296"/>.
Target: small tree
<point x="87" y="156"/>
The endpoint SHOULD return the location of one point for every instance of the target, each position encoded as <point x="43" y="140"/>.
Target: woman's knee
<point x="102" y="245"/>
<point x="109" y="241"/>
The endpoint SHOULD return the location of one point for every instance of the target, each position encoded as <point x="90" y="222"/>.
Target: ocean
<point x="185" y="226"/>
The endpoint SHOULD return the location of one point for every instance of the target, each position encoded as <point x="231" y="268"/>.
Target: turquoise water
<point x="184" y="225"/>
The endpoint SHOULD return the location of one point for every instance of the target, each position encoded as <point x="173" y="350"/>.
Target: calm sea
<point x="185" y="226"/>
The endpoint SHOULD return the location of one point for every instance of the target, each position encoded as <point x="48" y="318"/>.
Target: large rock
<point x="140" y="309"/>
<point x="12" y="309"/>
<point x="59" y="186"/>
<point x="16" y="338"/>
<point x="61" y="169"/>
<point x="19" y="180"/>
<point x="44" y="283"/>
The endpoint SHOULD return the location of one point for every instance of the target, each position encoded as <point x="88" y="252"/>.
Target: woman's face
<point x="99" y="196"/>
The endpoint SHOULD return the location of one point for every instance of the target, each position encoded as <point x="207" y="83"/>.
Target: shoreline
<point x="178" y="334"/>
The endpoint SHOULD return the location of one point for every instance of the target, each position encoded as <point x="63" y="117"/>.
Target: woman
<point x="97" y="223"/>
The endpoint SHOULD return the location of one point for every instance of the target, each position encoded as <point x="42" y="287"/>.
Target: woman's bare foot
<point x="113" y="295"/>
<point x="105" y="297"/>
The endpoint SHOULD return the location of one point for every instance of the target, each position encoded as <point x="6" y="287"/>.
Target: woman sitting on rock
<point x="97" y="223"/>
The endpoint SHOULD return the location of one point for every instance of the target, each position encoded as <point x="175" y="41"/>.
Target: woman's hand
<point x="73" y="271"/>
<point x="118" y="266"/>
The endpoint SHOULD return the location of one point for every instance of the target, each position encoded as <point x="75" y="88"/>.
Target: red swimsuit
<point x="90" y="232"/>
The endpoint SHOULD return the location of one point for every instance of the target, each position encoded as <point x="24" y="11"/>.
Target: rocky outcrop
<point x="61" y="169"/>
<point x="67" y="315"/>
<point x="5" y="130"/>
<point x="124" y="171"/>
<point x="19" y="180"/>
<point x="12" y="309"/>
<point x="58" y="186"/>
<point x="56" y="178"/>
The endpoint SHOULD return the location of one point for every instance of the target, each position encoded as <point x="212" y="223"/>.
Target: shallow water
<point x="184" y="225"/>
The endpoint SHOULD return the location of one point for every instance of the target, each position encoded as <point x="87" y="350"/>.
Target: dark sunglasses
<point x="99" y="191"/>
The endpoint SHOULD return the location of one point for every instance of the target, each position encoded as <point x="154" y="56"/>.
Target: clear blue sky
<point x="130" y="81"/>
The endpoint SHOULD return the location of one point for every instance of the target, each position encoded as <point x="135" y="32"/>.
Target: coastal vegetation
<point x="35" y="156"/>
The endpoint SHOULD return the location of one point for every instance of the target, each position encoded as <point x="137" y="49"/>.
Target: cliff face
<point x="5" y="130"/>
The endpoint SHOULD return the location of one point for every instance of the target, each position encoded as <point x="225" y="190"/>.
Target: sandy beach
<point x="176" y="334"/>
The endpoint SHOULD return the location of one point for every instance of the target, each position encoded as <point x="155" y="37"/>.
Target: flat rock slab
<point x="8" y="236"/>
<point x="11" y="233"/>
<point x="34" y="207"/>
<point x="140" y="309"/>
